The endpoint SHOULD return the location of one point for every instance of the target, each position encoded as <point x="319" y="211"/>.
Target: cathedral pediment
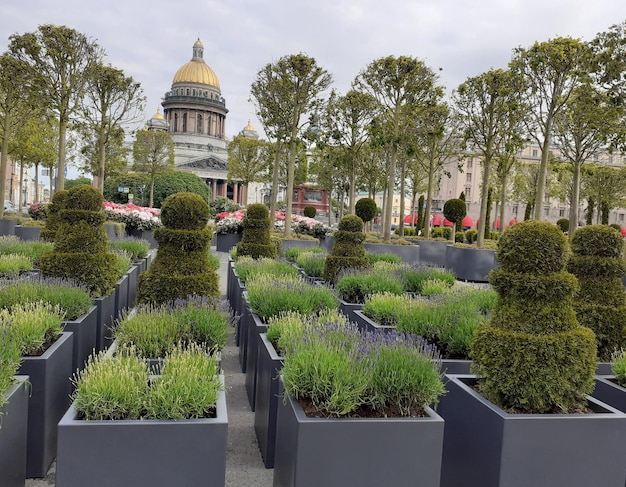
<point x="212" y="163"/>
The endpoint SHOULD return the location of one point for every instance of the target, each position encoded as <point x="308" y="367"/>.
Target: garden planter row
<point x="13" y="434"/>
<point x="142" y="452"/>
<point x="27" y="233"/>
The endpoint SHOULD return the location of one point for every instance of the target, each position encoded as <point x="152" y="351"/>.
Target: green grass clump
<point x="137" y="249"/>
<point x="292" y="254"/>
<point x="312" y="263"/>
<point x="12" y="265"/>
<point x="33" y="326"/>
<point x="73" y="301"/>
<point x="414" y="278"/>
<point x="355" y="286"/>
<point x="247" y="267"/>
<point x="10" y="244"/>
<point x="10" y="359"/>
<point x="373" y="257"/>
<point x="618" y="367"/>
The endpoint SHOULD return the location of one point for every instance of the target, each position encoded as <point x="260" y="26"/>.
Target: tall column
<point x="214" y="189"/>
<point x="235" y="193"/>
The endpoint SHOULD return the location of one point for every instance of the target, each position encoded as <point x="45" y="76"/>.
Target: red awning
<point x="407" y="219"/>
<point x="623" y="231"/>
<point x="467" y="222"/>
<point x="496" y="224"/>
<point x="512" y="222"/>
<point x="447" y="223"/>
<point x="436" y="221"/>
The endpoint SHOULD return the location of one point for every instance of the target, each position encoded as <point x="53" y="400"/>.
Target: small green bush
<point x="355" y="287"/>
<point x="366" y="209"/>
<point x="12" y="265"/>
<point x="184" y="211"/>
<point x="471" y="235"/>
<point x="350" y="223"/>
<point x="33" y="326"/>
<point x="459" y="237"/>
<point x="136" y="248"/>
<point x="53" y="220"/>
<point x="563" y="224"/>
<point x="415" y="277"/>
<point x="348" y="251"/>
<point x="312" y="263"/>
<point x="10" y="360"/>
<point x="309" y="211"/>
<point x="618" y="366"/>
<point x="374" y="257"/>
<point x="454" y="210"/>
<point x="247" y="267"/>
<point x="256" y="241"/>
<point x="84" y="197"/>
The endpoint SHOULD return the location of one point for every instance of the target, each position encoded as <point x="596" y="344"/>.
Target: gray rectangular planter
<point x="121" y="295"/>
<point x="7" y="226"/>
<point x="49" y="376"/>
<point x="487" y="447"/>
<point x="143" y="452"/>
<point x="84" y="330"/>
<point x="298" y="243"/>
<point x="367" y="324"/>
<point x="364" y="452"/>
<point x="226" y="241"/>
<point x="13" y="430"/>
<point x="327" y="243"/>
<point x="106" y="318"/>
<point x="268" y="392"/>
<point x="610" y="392"/>
<point x="433" y="251"/>
<point x="146" y="235"/>
<point x="255" y="328"/>
<point x="27" y="233"/>
<point x="133" y="277"/>
<point x="348" y="309"/>
<point x="408" y="253"/>
<point x="470" y="264"/>
<point x="242" y="330"/>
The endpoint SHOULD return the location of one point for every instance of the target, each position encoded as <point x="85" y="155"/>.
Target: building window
<point x="535" y="153"/>
<point x="470" y="163"/>
<point x="176" y="122"/>
<point x="184" y="122"/>
<point x="468" y="177"/>
<point x="621" y="217"/>
<point x="546" y="212"/>
<point x="561" y="212"/>
<point x="395" y="211"/>
<point x="468" y="194"/>
<point x="199" y="128"/>
<point x="187" y="91"/>
<point x="547" y="198"/>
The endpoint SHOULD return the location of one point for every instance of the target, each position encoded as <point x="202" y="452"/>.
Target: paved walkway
<point x="244" y="466"/>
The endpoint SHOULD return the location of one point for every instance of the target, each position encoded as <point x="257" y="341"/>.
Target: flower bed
<point x="135" y="217"/>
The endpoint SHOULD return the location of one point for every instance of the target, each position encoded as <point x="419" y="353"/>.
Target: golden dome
<point x="158" y="115"/>
<point x="249" y="127"/>
<point x="196" y="70"/>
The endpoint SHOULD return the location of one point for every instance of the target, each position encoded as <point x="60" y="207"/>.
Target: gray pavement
<point x="244" y="465"/>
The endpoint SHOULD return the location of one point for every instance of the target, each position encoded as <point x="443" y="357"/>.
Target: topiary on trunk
<point x="256" y="241"/>
<point x="532" y="355"/>
<point x="81" y="245"/>
<point x="600" y="303"/>
<point x="455" y="210"/>
<point x="348" y="250"/>
<point x="53" y="221"/>
<point x="181" y="267"/>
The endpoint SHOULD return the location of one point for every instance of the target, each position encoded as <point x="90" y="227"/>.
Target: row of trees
<point x="396" y="130"/>
<point x="59" y="96"/>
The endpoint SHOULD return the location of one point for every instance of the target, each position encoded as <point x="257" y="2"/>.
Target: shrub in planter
<point x="10" y="357"/>
<point x="348" y="251"/>
<point x="80" y="245"/>
<point x="10" y="244"/>
<point x="38" y="211"/>
<point x="136" y="248"/>
<point x="600" y="303"/>
<point x="72" y="300"/>
<point x="618" y="367"/>
<point x="356" y="286"/>
<point x="563" y="224"/>
<point x="309" y="211"/>
<point x="12" y="265"/>
<point x="392" y="258"/>
<point x="181" y="267"/>
<point x="415" y="277"/>
<point x="292" y="253"/>
<point x="256" y="234"/>
<point x="455" y="210"/>
<point x="271" y="295"/>
<point x="53" y="219"/>
<point x="471" y="235"/>
<point x="312" y="263"/>
<point x="459" y="237"/>
<point x="366" y="209"/>
<point x="532" y="354"/>
<point x="247" y="267"/>
<point x="33" y="326"/>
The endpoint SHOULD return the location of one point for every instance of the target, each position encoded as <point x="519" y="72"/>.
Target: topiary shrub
<point x="256" y="241"/>
<point x="455" y="210"/>
<point x="348" y="252"/>
<point x="563" y="224"/>
<point x="81" y="246"/>
<point x="600" y="303"/>
<point x="309" y="211"/>
<point x="471" y="235"/>
<point x="366" y="209"/>
<point x="532" y="355"/>
<point x="54" y="216"/>
<point x="459" y="237"/>
<point x="182" y="266"/>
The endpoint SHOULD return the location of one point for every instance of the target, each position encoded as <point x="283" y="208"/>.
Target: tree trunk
<point x="429" y="198"/>
<point x="61" y="162"/>
<point x="4" y="158"/>
<point x="101" y="163"/>
<point x="574" y="198"/>
<point x="274" y="193"/>
<point x="21" y="185"/>
<point x="37" y="195"/>
<point x="391" y="184"/>
<point x="502" y="201"/>
<point x="151" y="201"/>
<point x="483" y="224"/>
<point x="290" y="177"/>
<point x="543" y="173"/>
<point x="402" y="186"/>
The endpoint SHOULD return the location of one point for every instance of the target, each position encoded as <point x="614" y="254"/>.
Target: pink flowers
<point x="135" y="217"/>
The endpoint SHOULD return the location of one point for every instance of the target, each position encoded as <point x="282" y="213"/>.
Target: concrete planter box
<point x="368" y="452"/>
<point x="49" y="376"/>
<point x="255" y="328"/>
<point x="13" y="431"/>
<point x="367" y="324"/>
<point x="433" y="251"/>
<point x="242" y="328"/>
<point x="106" y="318"/>
<point x="487" y="447"/>
<point x="470" y="264"/>
<point x="146" y="235"/>
<point x="84" y="330"/>
<point x="27" y="233"/>
<point x="226" y="241"/>
<point x="133" y="278"/>
<point x="268" y="392"/>
<point x="327" y="243"/>
<point x="610" y="392"/>
<point x="7" y="226"/>
<point x="142" y="452"/>
<point x="297" y="243"/>
<point x="121" y="295"/>
<point x="348" y="309"/>
<point x="408" y="253"/>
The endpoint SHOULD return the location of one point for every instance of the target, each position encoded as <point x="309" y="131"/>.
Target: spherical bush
<point x="351" y="223"/>
<point x="454" y="210"/>
<point x="60" y="198"/>
<point x="563" y="224"/>
<point x="598" y="241"/>
<point x="84" y="197"/>
<point x="309" y="211"/>
<point x="533" y="247"/>
<point x="185" y="211"/>
<point x="366" y="209"/>
<point x="257" y="211"/>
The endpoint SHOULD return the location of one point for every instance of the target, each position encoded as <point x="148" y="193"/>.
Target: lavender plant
<point x="618" y="367"/>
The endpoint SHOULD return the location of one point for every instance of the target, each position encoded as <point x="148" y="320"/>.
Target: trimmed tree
<point x="532" y="355"/>
<point x="455" y="210"/>
<point x="181" y="267"/>
<point x="348" y="251"/>
<point x="256" y="241"/>
<point x="54" y="215"/>
<point x="366" y="209"/>
<point x="600" y="303"/>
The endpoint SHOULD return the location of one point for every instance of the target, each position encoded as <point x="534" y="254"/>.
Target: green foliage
<point x="374" y="257"/>
<point x="414" y="278"/>
<point x="454" y="209"/>
<point x="533" y="355"/>
<point x="350" y="223"/>
<point x="185" y="211"/>
<point x="471" y="235"/>
<point x="247" y="267"/>
<point x="10" y="360"/>
<point x="53" y="221"/>
<point x="256" y="241"/>
<point x="348" y="251"/>
<point x="84" y="197"/>
<point x="33" y="326"/>
<point x="312" y="263"/>
<point x="257" y="211"/>
<point x="563" y="224"/>
<point x="600" y="303"/>
<point x="618" y="367"/>
<point x="309" y="211"/>
<point x="38" y="211"/>
<point x="366" y="209"/>
<point x="12" y="265"/>
<point x="137" y="249"/>
<point x="459" y="237"/>
<point x="292" y="254"/>
<point x="221" y="204"/>
<point x="355" y="287"/>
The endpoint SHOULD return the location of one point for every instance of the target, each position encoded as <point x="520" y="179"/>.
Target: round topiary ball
<point x="257" y="211"/>
<point x="309" y="211"/>
<point x="351" y="223"/>
<point x="60" y="198"/>
<point x="533" y="246"/>
<point x="366" y="209"/>
<point x="84" y="197"/>
<point x="563" y="224"/>
<point x="185" y="211"/>
<point x="598" y="241"/>
<point x="454" y="209"/>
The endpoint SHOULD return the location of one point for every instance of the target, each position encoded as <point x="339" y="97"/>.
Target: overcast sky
<point x="150" y="40"/>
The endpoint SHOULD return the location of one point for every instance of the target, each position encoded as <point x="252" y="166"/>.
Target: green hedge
<point x="348" y="251"/>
